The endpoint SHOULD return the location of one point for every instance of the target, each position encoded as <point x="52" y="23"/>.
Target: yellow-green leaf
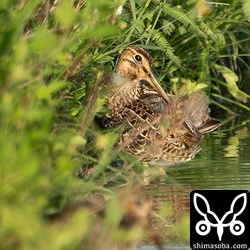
<point x="231" y="79"/>
<point x="65" y="13"/>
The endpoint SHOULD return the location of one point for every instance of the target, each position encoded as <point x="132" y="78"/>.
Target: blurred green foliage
<point x="52" y="53"/>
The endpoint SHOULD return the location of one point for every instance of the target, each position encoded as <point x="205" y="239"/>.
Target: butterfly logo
<point x="203" y="227"/>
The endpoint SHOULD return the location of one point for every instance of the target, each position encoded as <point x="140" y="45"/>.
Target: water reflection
<point x="223" y="163"/>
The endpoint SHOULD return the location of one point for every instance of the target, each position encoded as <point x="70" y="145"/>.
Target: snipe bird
<point x="159" y="128"/>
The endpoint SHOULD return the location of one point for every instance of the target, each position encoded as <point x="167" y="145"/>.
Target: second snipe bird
<point x="158" y="128"/>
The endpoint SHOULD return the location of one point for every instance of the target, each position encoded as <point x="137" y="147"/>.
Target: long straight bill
<point x="157" y="87"/>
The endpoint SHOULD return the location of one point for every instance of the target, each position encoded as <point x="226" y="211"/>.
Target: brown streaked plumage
<point x="159" y="127"/>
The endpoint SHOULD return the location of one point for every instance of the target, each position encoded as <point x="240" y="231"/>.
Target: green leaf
<point x="246" y="8"/>
<point x="43" y="92"/>
<point x="65" y="13"/>
<point x="102" y="58"/>
<point x="43" y="42"/>
<point x="57" y="86"/>
<point x="231" y="78"/>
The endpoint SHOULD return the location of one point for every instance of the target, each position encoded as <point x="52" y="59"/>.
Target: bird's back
<point x="170" y="132"/>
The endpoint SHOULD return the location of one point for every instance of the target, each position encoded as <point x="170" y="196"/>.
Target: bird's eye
<point x="138" y="58"/>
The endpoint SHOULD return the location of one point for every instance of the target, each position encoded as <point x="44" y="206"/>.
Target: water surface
<point x="223" y="163"/>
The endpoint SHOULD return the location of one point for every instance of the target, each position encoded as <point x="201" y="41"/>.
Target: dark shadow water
<point x="223" y="163"/>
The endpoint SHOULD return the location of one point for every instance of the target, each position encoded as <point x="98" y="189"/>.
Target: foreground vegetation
<point x="52" y="57"/>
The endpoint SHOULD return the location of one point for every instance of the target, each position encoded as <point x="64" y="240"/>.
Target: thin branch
<point x="77" y="61"/>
